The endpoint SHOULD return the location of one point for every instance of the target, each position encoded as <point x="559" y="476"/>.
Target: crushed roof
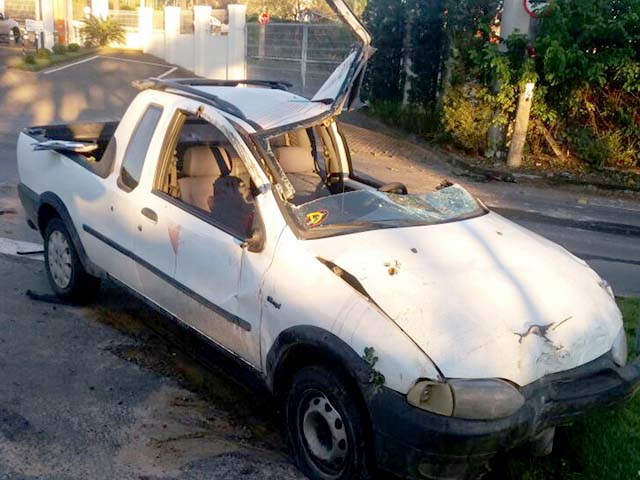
<point x="269" y="108"/>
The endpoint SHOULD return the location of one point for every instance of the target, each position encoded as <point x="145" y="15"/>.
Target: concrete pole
<point x="237" y="42"/>
<point x="519" y="137"/>
<point x="201" y="30"/>
<point x="515" y="19"/>
<point x="100" y="8"/>
<point x="172" y="16"/>
<point x="145" y="27"/>
<point x="47" y="20"/>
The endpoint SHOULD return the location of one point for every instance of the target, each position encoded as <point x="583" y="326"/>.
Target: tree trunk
<point x="557" y="150"/>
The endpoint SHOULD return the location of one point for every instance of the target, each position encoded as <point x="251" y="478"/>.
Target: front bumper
<point x="413" y="443"/>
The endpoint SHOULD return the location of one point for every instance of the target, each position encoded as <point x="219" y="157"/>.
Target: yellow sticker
<point x="315" y="219"/>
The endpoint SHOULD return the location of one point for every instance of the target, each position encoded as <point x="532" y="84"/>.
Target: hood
<point x="342" y="89"/>
<point x="484" y="298"/>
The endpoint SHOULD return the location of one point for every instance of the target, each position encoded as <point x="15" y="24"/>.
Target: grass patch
<point x="603" y="446"/>
<point x="42" y="63"/>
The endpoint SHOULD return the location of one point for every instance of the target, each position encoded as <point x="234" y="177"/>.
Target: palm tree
<point x="103" y="31"/>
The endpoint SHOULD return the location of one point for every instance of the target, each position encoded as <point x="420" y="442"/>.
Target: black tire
<point x="65" y="273"/>
<point x="317" y="398"/>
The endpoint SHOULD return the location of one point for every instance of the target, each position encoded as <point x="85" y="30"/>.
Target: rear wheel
<point x="66" y="275"/>
<point x="326" y="426"/>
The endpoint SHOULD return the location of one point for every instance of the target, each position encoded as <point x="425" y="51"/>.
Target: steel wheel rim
<point x="59" y="259"/>
<point x="323" y="433"/>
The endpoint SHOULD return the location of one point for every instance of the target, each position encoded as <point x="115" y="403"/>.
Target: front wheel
<point x="326" y="427"/>
<point x="66" y="275"/>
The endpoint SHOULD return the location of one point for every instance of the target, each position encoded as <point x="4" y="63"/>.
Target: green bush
<point x="467" y="116"/>
<point x="44" y="53"/>
<point x="59" y="49"/>
<point x="587" y="146"/>
<point x="411" y="117"/>
<point x="29" y="59"/>
<point x="103" y="32"/>
<point x="73" y="47"/>
<point x="88" y="44"/>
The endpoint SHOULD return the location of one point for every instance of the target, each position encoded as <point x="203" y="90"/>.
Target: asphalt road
<point x="93" y="392"/>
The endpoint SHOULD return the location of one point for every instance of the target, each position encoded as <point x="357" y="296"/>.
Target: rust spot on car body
<point x="393" y="267"/>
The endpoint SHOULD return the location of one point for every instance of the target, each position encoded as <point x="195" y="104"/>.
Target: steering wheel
<point x="394" y="187"/>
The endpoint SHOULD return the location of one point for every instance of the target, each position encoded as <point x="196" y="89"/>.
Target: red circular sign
<point x="264" y="18"/>
<point x="534" y="7"/>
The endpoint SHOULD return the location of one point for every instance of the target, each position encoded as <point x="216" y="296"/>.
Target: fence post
<point x="172" y="16"/>
<point x="303" y="56"/>
<point x="236" y="42"/>
<point x="47" y="21"/>
<point x="201" y="30"/>
<point x="262" y="38"/>
<point x="145" y="27"/>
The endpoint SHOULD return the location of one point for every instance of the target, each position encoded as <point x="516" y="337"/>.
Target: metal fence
<point x="127" y="18"/>
<point x="186" y="21"/>
<point x="304" y="54"/>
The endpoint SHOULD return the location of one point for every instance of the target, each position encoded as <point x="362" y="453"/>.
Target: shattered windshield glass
<point x="370" y="209"/>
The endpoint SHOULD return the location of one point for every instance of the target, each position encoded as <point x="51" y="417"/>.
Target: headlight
<point x="620" y="351"/>
<point x="470" y="399"/>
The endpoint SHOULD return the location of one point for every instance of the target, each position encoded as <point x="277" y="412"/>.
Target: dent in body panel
<point x="315" y="295"/>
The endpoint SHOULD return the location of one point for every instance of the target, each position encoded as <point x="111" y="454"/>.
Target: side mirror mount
<point x="256" y="238"/>
<point x="255" y="242"/>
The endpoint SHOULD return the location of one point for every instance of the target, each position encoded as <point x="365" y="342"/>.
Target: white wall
<point x="211" y="56"/>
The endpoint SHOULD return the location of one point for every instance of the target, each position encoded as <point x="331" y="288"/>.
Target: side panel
<point x="310" y="294"/>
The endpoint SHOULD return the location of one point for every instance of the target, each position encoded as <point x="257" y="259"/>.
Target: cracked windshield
<point x="375" y="209"/>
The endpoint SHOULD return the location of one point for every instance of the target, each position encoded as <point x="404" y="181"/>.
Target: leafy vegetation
<point x="468" y="113"/>
<point x="44" y="53"/>
<point x="585" y="62"/>
<point x="59" y="49"/>
<point x="34" y="63"/>
<point x="386" y="22"/>
<point x="102" y="32"/>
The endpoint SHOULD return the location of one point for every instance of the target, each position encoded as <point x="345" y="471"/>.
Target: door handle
<point x="150" y="214"/>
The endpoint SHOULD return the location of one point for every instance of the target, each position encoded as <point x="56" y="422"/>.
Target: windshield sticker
<point x="315" y="219"/>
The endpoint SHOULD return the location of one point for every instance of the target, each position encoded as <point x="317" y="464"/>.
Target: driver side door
<point x="209" y="214"/>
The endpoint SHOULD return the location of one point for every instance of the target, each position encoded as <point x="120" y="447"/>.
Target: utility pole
<point x="516" y="18"/>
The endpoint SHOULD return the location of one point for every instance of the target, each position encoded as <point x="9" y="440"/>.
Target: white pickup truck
<point x="417" y="334"/>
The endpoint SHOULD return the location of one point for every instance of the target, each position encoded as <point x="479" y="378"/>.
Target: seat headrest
<point x="201" y="161"/>
<point x="280" y="141"/>
<point x="295" y="159"/>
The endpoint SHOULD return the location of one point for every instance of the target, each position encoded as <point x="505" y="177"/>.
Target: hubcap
<point x="324" y="433"/>
<point x="59" y="259"/>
